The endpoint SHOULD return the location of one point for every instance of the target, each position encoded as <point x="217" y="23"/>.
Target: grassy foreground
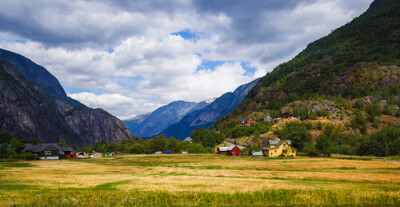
<point x="200" y="180"/>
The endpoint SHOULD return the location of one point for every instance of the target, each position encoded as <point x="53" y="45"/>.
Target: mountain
<point x="157" y="121"/>
<point x="207" y="116"/>
<point x="353" y="66"/>
<point x="37" y="74"/>
<point x="30" y="110"/>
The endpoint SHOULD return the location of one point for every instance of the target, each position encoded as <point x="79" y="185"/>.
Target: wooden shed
<point x="232" y="150"/>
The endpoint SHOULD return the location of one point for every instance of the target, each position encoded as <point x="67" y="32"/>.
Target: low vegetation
<point x="200" y="180"/>
<point x="140" y="146"/>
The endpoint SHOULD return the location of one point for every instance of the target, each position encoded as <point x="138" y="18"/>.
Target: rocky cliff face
<point x="96" y="125"/>
<point x="206" y="117"/>
<point x="28" y="111"/>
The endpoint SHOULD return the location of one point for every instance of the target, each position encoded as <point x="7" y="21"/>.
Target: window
<point x="47" y="152"/>
<point x="284" y="151"/>
<point x="271" y="153"/>
<point x="284" y="145"/>
<point x="275" y="150"/>
<point x="292" y="151"/>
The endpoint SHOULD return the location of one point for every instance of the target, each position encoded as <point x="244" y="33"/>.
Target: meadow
<point x="200" y="180"/>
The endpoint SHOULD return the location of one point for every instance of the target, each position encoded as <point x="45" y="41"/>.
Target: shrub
<point x="137" y="148"/>
<point x="323" y="145"/>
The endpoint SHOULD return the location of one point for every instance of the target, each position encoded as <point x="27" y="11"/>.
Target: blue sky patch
<point x="71" y="90"/>
<point x="21" y="41"/>
<point x="110" y="50"/>
<point x="187" y="34"/>
<point x="128" y="82"/>
<point x="11" y="40"/>
<point x="249" y="70"/>
<point x="210" y="64"/>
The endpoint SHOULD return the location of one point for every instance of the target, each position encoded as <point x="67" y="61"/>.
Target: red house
<point x="232" y="150"/>
<point x="245" y="122"/>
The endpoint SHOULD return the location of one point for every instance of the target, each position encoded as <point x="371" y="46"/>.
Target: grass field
<point x="200" y="180"/>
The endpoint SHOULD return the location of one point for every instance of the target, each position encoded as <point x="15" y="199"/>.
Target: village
<point x="274" y="148"/>
<point x="52" y="151"/>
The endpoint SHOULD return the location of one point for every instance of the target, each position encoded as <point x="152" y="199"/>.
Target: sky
<point x="130" y="57"/>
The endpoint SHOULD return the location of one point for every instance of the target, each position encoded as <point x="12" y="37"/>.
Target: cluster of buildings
<point x="52" y="151"/>
<point x="275" y="148"/>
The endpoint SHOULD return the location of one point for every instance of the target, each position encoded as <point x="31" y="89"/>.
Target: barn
<point x="232" y="150"/>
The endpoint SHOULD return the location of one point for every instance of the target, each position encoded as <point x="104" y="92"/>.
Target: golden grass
<point x="203" y="173"/>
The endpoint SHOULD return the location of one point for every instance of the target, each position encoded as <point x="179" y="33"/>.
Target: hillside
<point x="29" y="111"/>
<point x="151" y="124"/>
<point x="350" y="76"/>
<point x="207" y="116"/>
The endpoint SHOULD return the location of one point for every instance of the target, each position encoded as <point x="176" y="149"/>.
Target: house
<point x="245" y="122"/>
<point x="68" y="152"/>
<point x="278" y="148"/>
<point x="257" y="154"/>
<point x="50" y="151"/>
<point x="287" y="115"/>
<point x="266" y="118"/>
<point x="232" y="150"/>
<point x="188" y="140"/>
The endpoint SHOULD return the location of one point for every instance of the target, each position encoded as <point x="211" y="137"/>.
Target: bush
<point x="323" y="145"/>
<point x="322" y="112"/>
<point x="296" y="132"/>
<point x="26" y="156"/>
<point x="310" y="150"/>
<point x="385" y="142"/>
<point x="206" y="137"/>
<point x="137" y="148"/>
<point x="347" y="149"/>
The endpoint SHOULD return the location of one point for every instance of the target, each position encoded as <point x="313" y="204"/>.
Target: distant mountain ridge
<point x="33" y="105"/>
<point x="206" y="117"/>
<point x="149" y="125"/>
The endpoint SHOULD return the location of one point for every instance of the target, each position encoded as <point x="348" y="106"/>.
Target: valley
<point x="199" y="180"/>
<point x="321" y="129"/>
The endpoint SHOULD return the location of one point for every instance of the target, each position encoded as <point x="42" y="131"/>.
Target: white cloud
<point x="114" y="103"/>
<point x="149" y="67"/>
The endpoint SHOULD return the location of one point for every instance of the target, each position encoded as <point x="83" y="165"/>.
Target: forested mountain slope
<point x="348" y="79"/>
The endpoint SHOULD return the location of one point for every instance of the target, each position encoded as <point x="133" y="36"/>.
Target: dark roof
<point x="245" y="120"/>
<point x="40" y="147"/>
<point x="66" y="149"/>
<point x="278" y="143"/>
<point x="287" y="114"/>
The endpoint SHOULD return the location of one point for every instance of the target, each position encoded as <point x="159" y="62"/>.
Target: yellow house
<point x="278" y="148"/>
